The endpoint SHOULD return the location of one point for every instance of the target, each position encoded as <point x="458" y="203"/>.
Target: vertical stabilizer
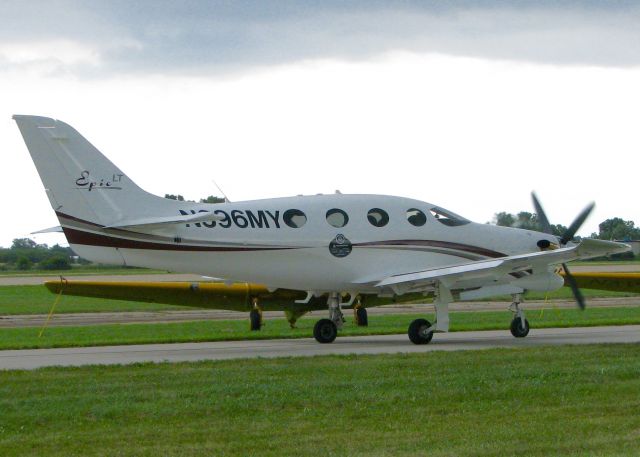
<point x="80" y="181"/>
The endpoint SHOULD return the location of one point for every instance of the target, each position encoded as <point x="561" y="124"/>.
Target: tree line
<point x="209" y="199"/>
<point x="611" y="229"/>
<point x="25" y="254"/>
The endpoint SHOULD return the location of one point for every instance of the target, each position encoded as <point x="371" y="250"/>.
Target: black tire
<point x="325" y="331"/>
<point x="361" y="317"/>
<point x="517" y="330"/>
<point x="415" y="331"/>
<point x="256" y="319"/>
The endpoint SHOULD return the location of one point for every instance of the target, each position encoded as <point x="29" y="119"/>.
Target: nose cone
<point x="514" y="241"/>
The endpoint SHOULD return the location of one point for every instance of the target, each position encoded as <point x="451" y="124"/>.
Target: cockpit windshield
<point x="447" y="217"/>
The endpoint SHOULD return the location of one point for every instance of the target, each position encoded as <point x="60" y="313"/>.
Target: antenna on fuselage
<point x="226" y="199"/>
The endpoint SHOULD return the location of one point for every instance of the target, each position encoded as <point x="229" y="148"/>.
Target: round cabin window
<point x="294" y="218"/>
<point x="416" y="217"/>
<point x="378" y="217"/>
<point x="337" y="218"/>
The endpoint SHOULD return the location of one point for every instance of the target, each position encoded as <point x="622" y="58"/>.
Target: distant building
<point x="635" y="245"/>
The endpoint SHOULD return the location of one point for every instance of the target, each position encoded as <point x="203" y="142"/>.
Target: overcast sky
<point x="469" y="105"/>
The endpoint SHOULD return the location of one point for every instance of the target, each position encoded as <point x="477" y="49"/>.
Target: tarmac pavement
<point x="382" y="344"/>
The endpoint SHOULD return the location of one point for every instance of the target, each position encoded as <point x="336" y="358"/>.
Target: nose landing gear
<point x="420" y="331"/>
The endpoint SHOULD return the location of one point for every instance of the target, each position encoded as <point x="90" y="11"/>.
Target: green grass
<point x="222" y="330"/>
<point x="567" y="400"/>
<point x="38" y="300"/>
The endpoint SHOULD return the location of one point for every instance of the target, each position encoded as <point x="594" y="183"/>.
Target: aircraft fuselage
<point x="320" y="243"/>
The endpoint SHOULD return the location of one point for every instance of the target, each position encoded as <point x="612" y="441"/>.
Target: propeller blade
<point x="575" y="225"/>
<point x="542" y="217"/>
<point x="574" y="287"/>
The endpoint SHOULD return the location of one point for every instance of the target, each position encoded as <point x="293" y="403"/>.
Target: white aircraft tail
<point x="82" y="184"/>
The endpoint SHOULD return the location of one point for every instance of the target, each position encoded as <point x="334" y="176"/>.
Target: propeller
<point x="563" y="240"/>
<point x="576" y="224"/>
<point x="574" y="288"/>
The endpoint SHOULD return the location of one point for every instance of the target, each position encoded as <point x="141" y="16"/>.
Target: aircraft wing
<point x="614" y="281"/>
<point x="210" y="295"/>
<point x="494" y="269"/>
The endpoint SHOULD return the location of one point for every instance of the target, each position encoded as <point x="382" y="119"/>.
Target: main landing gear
<point x="326" y="330"/>
<point x="519" y="325"/>
<point x="255" y="316"/>
<point x="360" y="314"/>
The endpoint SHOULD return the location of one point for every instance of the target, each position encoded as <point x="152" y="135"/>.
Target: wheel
<point x="325" y="331"/>
<point x="517" y="329"/>
<point x="361" y="317"/>
<point x="415" y="331"/>
<point x="256" y="319"/>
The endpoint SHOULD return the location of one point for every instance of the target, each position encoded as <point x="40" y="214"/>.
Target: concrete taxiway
<point x="386" y="344"/>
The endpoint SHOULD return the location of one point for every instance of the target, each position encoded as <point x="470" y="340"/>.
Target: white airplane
<point x="341" y="250"/>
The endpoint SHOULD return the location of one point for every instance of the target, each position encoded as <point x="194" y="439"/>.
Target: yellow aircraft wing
<point x="235" y="297"/>
<point x="295" y="303"/>
<point x="240" y="296"/>
<point x="617" y="282"/>
<point x="210" y="295"/>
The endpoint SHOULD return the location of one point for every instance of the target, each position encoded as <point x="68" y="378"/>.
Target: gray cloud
<point x="215" y="36"/>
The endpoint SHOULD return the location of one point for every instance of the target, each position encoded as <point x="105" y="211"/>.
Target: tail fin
<point x="80" y="182"/>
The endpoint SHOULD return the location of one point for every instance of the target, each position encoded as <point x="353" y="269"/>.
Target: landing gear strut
<point x="326" y="330"/>
<point x="519" y="325"/>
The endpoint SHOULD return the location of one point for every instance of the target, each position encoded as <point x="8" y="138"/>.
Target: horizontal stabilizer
<point x="56" y="229"/>
<point x="153" y="222"/>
